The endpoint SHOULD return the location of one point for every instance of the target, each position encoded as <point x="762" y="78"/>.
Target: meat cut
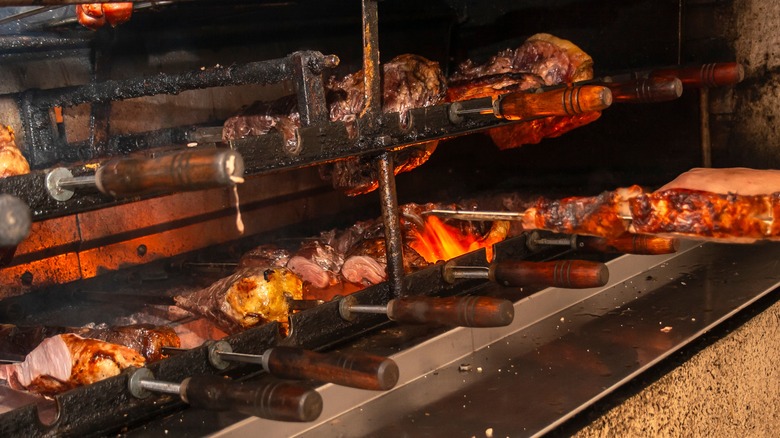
<point x="67" y="361"/>
<point x="542" y="60"/>
<point x="249" y="297"/>
<point x="12" y="162"/>
<point x="409" y="81"/>
<point x="146" y="339"/>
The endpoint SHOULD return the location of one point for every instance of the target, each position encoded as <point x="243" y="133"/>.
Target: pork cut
<point x="146" y="339"/>
<point x="542" y="60"/>
<point x="67" y="361"/>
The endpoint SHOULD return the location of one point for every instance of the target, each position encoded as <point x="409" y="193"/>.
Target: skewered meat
<point x="249" y="297"/>
<point x="366" y="264"/>
<point x="12" y="162"/>
<point x="409" y="81"/>
<point x="96" y="15"/>
<point x="680" y="208"/>
<point x="317" y="263"/>
<point x="541" y="60"/>
<point x="144" y="338"/>
<point x="66" y="361"/>
<point x="265" y="255"/>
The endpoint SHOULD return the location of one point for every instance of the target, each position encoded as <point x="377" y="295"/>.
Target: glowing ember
<point x="439" y="241"/>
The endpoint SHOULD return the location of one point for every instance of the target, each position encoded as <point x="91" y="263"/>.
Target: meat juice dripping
<point x="239" y="221"/>
<point x="231" y="167"/>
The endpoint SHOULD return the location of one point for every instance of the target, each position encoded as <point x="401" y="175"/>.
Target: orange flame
<point x="439" y="241"/>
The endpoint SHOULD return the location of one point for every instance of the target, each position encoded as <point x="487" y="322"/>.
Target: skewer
<point x="572" y="274"/>
<point x="283" y="401"/>
<point x="468" y="311"/>
<point x="356" y="370"/>
<point x="187" y="170"/>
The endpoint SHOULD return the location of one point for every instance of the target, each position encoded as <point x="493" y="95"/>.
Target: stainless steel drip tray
<point x="565" y="350"/>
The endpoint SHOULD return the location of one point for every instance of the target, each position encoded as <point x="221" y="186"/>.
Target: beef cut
<point x="408" y="81"/>
<point x="542" y="60"/>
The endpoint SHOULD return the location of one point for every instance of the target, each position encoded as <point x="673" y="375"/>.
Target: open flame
<point x="440" y="241"/>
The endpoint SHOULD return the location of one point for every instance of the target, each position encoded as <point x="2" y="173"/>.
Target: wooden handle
<point x="365" y="371"/>
<point x="470" y="311"/>
<point x="706" y="75"/>
<point x="282" y="401"/>
<point x="646" y="90"/>
<point x="573" y="274"/>
<point x="561" y="102"/>
<point x="630" y="244"/>
<point x="188" y="170"/>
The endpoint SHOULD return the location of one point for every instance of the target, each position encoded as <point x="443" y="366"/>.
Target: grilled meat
<point x="144" y="338"/>
<point x="12" y="162"/>
<point x="409" y="81"/>
<point x="680" y="208"/>
<point x="317" y="263"/>
<point x="96" y="15"/>
<point x="366" y="263"/>
<point x="66" y="361"/>
<point x="265" y="255"/>
<point x="541" y="60"/>
<point x="249" y="297"/>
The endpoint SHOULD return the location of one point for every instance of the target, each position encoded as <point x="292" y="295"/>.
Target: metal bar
<point x="241" y="357"/>
<point x="392" y="221"/>
<point x="261" y="73"/>
<point x="469" y="272"/>
<point x="307" y="68"/>
<point x="368" y="308"/>
<point x="704" y="126"/>
<point x="372" y="82"/>
<point x="158" y="386"/>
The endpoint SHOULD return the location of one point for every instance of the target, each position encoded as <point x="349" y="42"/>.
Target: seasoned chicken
<point x="66" y="361"/>
<point x="12" y="162"/>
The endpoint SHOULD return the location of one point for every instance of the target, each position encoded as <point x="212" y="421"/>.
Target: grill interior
<point x="177" y="70"/>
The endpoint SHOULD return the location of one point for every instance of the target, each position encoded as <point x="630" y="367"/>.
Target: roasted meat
<point x="366" y="263"/>
<point x="66" y="361"/>
<point x="263" y="256"/>
<point x="143" y="338"/>
<point x="317" y="264"/>
<point x="409" y="81"/>
<point x="96" y="15"/>
<point x="249" y="297"/>
<point x="542" y="60"/>
<point x="12" y="162"/>
<point x="680" y="208"/>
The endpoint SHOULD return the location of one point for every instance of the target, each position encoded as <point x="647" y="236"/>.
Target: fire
<point x="440" y="241"/>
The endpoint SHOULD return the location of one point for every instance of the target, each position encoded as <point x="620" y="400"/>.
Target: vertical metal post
<point x="704" y="114"/>
<point x="391" y="218"/>
<point x="371" y="69"/>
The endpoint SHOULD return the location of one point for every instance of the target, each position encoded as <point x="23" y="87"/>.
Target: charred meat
<point x="409" y="81"/>
<point x="542" y="60"/>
